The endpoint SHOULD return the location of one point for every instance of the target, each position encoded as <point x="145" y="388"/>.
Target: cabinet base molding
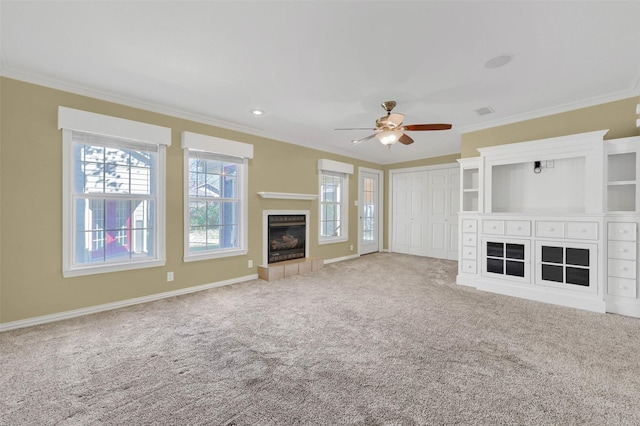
<point x="630" y="308"/>
<point x="545" y="295"/>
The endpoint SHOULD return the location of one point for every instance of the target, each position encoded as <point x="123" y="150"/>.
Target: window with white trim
<point x="215" y="196"/>
<point x="334" y="196"/>
<point x="113" y="194"/>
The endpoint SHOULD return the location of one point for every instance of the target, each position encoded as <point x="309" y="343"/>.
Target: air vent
<point x="484" y="110"/>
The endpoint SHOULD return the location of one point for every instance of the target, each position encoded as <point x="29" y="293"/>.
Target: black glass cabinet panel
<point x="515" y="269"/>
<point x="577" y="276"/>
<point x="553" y="254"/>
<point x="495" y="266"/>
<point x="515" y="251"/>
<point x="495" y="249"/>
<point x="553" y="273"/>
<point x="577" y="256"/>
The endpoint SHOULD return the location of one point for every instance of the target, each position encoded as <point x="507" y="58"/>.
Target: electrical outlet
<point x="351" y="247"/>
<point x="250" y="263"/>
<point x="169" y="276"/>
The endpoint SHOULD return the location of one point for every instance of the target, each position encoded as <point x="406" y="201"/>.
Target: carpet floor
<point x="385" y="339"/>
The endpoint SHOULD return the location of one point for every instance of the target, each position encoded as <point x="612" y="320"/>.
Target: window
<point x="215" y="197"/>
<point x="113" y="193"/>
<point x="334" y="196"/>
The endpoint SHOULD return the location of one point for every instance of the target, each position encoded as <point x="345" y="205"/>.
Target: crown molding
<point x="623" y="94"/>
<point x="81" y="90"/>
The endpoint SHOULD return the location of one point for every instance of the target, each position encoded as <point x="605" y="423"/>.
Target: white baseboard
<point x="340" y="259"/>
<point x="120" y="304"/>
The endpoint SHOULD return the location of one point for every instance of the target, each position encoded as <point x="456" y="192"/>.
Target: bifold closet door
<point x="424" y="207"/>
<point x="409" y="226"/>
<point x="443" y="206"/>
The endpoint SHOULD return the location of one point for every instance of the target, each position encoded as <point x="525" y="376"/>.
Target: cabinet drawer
<point x="622" y="231"/>
<point x="469" y="225"/>
<point x="469" y="266"/>
<point x="469" y="239"/>
<point x="550" y="229"/>
<point x="520" y="228"/>
<point x="493" y="227"/>
<point x="582" y="230"/>
<point x="622" y="268"/>
<point x="621" y="287"/>
<point x="622" y="250"/>
<point x="469" y="253"/>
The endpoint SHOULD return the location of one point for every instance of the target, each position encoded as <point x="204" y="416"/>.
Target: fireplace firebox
<point x="286" y="238"/>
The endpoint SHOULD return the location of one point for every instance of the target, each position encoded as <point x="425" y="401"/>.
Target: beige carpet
<point x="386" y="339"/>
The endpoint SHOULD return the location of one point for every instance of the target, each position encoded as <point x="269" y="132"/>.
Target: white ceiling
<point x="314" y="66"/>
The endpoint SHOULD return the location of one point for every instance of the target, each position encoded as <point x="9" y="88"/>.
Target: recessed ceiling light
<point x="498" y="61"/>
<point x="257" y="111"/>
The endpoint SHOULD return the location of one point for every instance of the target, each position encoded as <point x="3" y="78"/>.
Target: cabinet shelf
<point x="622" y="182"/>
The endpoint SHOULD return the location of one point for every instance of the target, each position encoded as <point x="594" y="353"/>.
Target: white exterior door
<point x="370" y="211"/>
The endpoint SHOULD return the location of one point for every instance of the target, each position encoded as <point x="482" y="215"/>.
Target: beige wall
<point x="619" y="117"/>
<point x="31" y="282"/>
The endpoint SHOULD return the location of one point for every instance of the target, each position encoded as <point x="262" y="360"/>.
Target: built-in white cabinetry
<point x="470" y="191"/>
<point x="468" y="258"/>
<point x="554" y="220"/>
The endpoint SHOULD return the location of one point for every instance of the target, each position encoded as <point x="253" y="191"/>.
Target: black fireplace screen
<point x="287" y="235"/>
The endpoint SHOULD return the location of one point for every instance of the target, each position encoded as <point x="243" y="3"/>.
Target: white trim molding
<point x="335" y="166"/>
<point x="91" y="122"/>
<point x="287" y="195"/>
<point x="198" y="142"/>
<point x="29" y="322"/>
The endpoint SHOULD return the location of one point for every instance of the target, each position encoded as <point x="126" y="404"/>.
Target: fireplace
<point x="286" y="235"/>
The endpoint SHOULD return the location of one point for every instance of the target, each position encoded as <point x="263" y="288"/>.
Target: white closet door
<point x="438" y="215"/>
<point x="409" y="222"/>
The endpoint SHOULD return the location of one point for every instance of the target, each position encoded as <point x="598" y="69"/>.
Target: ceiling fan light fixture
<point x="389" y="137"/>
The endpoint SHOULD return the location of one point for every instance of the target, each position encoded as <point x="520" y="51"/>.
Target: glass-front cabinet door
<point x="506" y="258"/>
<point x="571" y="266"/>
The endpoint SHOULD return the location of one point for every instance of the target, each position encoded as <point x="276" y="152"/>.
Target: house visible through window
<point x="334" y="196"/>
<point x="331" y="189"/>
<point x="214" y="203"/>
<point x="215" y="196"/>
<point x="114" y="199"/>
<point x="113" y="194"/>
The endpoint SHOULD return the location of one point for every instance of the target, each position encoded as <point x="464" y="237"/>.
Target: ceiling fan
<point x="389" y="129"/>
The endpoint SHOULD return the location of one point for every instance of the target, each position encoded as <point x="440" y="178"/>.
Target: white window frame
<point x="342" y="170"/>
<point x="71" y="119"/>
<point x="193" y="142"/>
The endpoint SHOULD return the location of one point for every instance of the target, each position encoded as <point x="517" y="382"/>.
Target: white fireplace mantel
<point x="287" y="195"/>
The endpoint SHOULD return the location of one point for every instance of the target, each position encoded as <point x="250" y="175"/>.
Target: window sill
<point x="333" y="240"/>
<point x="215" y="255"/>
<point x="115" y="267"/>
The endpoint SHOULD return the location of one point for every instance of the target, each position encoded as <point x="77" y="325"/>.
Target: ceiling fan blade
<point x="356" y="142"/>
<point x="395" y="119"/>
<point x="426" y="127"/>
<point x="405" y="139"/>
<point x="356" y="128"/>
